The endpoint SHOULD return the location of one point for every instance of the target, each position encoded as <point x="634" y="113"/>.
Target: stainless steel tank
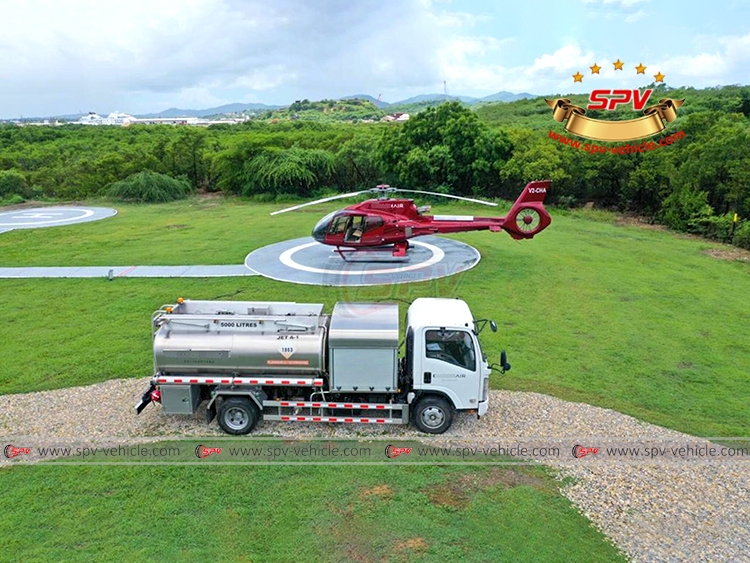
<point x="214" y="337"/>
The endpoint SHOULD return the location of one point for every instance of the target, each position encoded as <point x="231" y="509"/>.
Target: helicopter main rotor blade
<point x="448" y="195"/>
<point x="340" y="196"/>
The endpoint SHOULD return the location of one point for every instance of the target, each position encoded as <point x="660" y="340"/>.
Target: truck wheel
<point x="238" y="415"/>
<point x="433" y="415"/>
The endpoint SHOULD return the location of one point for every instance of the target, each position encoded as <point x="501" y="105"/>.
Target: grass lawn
<point x="639" y="320"/>
<point x="281" y="514"/>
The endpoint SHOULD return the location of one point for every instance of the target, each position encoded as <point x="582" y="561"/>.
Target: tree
<point x="12" y="183"/>
<point x="149" y="187"/>
<point x="446" y="145"/>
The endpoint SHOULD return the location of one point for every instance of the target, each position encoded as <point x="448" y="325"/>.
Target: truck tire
<point x="433" y="414"/>
<point x="238" y="415"/>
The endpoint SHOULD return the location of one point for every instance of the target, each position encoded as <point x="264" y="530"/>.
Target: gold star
<point x="595" y="69"/>
<point x="641" y="69"/>
<point x="618" y="64"/>
<point x="578" y="77"/>
<point x="659" y="77"/>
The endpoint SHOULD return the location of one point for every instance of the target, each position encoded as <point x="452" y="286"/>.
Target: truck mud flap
<point x="145" y="399"/>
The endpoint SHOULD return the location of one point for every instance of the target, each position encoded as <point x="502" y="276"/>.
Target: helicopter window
<point x="355" y="228"/>
<point x="452" y="346"/>
<point x="338" y="225"/>
<point x="373" y="223"/>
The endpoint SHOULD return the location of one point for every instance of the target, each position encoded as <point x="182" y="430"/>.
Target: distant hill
<point x="228" y="108"/>
<point x="504" y="96"/>
<point x="374" y="101"/>
<point x="435" y="98"/>
<point x="409" y="105"/>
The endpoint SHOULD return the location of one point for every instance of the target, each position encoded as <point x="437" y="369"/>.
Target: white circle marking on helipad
<point x="41" y="215"/>
<point x="287" y="260"/>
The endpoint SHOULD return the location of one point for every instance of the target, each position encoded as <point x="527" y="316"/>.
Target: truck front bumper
<point x="483" y="407"/>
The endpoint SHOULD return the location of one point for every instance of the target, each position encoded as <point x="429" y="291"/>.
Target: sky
<point x="62" y="57"/>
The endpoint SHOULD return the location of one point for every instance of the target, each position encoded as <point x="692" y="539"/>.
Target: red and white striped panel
<point x="342" y="419"/>
<point x="210" y="380"/>
<point x="326" y="405"/>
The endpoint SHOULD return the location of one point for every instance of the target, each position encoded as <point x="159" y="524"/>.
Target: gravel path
<point x="653" y="512"/>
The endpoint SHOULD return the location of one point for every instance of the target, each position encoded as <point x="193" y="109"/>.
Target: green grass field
<point x="639" y="320"/>
<point x="282" y="514"/>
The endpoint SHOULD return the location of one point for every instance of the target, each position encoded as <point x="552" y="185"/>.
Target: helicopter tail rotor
<point x="528" y="216"/>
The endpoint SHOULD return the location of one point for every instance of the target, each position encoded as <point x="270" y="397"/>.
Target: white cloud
<point x="623" y="3"/>
<point x="632" y="18"/>
<point x="729" y="63"/>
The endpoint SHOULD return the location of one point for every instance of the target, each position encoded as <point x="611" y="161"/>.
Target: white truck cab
<point x="445" y="359"/>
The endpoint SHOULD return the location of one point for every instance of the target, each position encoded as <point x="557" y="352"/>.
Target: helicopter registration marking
<point x="437" y="255"/>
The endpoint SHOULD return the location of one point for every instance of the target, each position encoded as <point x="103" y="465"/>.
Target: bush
<point x="11" y="183"/>
<point x="149" y="187"/>
<point x="684" y="206"/>
<point x="13" y="200"/>
<point x="717" y="227"/>
<point x="742" y="235"/>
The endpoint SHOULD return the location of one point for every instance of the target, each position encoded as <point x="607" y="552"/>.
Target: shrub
<point x="717" y="227"/>
<point x="11" y="183"/>
<point x="13" y="200"/>
<point x="149" y="187"/>
<point x="742" y="235"/>
<point x="684" y="206"/>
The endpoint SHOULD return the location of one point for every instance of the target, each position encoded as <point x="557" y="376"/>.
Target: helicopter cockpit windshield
<point x="350" y="226"/>
<point x="321" y="227"/>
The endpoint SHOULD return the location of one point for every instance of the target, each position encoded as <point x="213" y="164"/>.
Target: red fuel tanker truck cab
<point x="252" y="361"/>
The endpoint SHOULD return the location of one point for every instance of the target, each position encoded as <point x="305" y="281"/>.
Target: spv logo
<point x="203" y="452"/>
<point x="12" y="451"/>
<point x="610" y="99"/>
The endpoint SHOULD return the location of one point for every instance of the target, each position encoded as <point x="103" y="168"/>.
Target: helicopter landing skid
<point x="398" y="252"/>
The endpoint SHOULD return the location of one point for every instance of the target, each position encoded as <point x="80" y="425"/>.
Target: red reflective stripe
<point x="284" y="418"/>
<point x="318" y="382"/>
<point x="348" y="406"/>
<point x="178" y="380"/>
<point x="163" y="380"/>
<point x="285" y="403"/>
<point x="332" y="405"/>
<point x="348" y="420"/>
<point x="286" y="382"/>
<point x="300" y="404"/>
<point x="380" y="420"/>
<point x="301" y="382"/>
<point x="364" y="420"/>
<point x="301" y="418"/>
<point x="269" y="381"/>
<point x="316" y="419"/>
<point x="225" y="381"/>
<point x="209" y="380"/>
<point x="238" y="381"/>
<point x="193" y="381"/>
<point x="316" y="405"/>
<point x="333" y="419"/>
<point x="379" y="406"/>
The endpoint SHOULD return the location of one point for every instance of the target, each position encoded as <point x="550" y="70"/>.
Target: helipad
<point x="305" y="261"/>
<point x="39" y="217"/>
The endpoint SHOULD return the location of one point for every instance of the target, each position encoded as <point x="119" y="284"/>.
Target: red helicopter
<point x="387" y="224"/>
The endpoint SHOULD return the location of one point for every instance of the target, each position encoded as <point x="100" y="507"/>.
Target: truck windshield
<point x="455" y="347"/>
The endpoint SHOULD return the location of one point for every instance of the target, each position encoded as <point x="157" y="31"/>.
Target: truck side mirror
<point x="504" y="361"/>
<point x="493" y="326"/>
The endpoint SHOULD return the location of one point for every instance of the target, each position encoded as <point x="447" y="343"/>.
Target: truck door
<point x="449" y="363"/>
